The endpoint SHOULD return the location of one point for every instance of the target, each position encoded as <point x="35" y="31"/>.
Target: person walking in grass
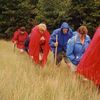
<point x="77" y="46"/>
<point x="58" y="41"/>
<point x="19" y="38"/>
<point x="39" y="44"/>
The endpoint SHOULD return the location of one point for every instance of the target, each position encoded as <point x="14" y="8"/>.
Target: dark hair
<point x="22" y="28"/>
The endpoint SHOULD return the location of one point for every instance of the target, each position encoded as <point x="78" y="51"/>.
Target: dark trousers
<point x="61" y="55"/>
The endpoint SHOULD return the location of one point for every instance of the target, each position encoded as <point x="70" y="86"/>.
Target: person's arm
<point x="15" y="37"/>
<point x="53" y="39"/>
<point x="70" y="49"/>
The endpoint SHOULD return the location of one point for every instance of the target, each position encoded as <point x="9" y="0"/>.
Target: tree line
<point x="28" y="13"/>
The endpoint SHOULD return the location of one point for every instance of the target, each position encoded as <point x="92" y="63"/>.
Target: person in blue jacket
<point x="64" y="33"/>
<point x="76" y="46"/>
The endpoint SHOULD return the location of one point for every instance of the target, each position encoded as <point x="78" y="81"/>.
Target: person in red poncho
<point x="90" y="63"/>
<point x="19" y="38"/>
<point x="39" y="44"/>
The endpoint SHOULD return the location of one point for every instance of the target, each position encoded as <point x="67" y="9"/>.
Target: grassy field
<point x="20" y="79"/>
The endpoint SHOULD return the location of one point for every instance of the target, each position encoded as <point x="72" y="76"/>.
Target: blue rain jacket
<point x="62" y="38"/>
<point x="75" y="49"/>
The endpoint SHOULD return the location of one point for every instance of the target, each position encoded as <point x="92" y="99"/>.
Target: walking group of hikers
<point x="76" y="48"/>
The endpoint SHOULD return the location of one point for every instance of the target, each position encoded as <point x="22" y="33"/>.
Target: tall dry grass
<point x="20" y="79"/>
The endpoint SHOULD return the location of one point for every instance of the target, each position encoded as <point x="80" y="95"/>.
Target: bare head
<point x="22" y="30"/>
<point x="42" y="28"/>
<point x="82" y="30"/>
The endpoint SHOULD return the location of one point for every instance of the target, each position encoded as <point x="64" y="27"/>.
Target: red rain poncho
<point x="90" y="63"/>
<point x="36" y="44"/>
<point x="20" y="38"/>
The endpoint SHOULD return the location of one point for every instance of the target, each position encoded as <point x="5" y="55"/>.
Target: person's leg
<point x="59" y="59"/>
<point x="72" y="66"/>
<point x="40" y="56"/>
<point x="67" y="61"/>
<point x="26" y="49"/>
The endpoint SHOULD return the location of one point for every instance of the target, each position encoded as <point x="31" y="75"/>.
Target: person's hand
<point x="21" y="51"/>
<point x="42" y="38"/>
<point x="15" y="42"/>
<point x="56" y="44"/>
<point x="31" y="57"/>
<point x="69" y="64"/>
